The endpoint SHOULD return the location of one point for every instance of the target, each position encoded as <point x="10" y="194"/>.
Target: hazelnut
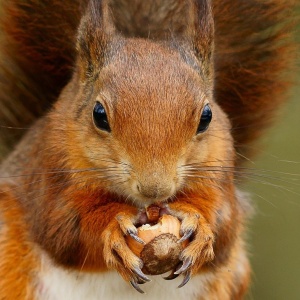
<point x="161" y="252"/>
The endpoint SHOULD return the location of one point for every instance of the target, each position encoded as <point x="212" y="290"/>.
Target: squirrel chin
<point x="142" y="202"/>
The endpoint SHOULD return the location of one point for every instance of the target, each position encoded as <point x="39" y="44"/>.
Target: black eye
<point x="100" y="117"/>
<point x="205" y="119"/>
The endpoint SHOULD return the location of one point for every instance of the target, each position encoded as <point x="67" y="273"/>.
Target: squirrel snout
<point x="156" y="191"/>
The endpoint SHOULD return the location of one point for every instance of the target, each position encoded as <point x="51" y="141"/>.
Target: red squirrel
<point x="132" y="103"/>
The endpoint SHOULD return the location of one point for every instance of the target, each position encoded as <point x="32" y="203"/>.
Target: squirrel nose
<point x="156" y="191"/>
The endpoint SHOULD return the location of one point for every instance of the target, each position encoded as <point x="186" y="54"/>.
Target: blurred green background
<point x="274" y="231"/>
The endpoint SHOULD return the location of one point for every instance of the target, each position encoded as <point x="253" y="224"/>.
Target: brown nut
<point x="161" y="252"/>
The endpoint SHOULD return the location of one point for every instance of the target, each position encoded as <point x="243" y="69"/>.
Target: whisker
<point x="57" y="175"/>
<point x="249" y="175"/>
<point x="66" y="183"/>
<point x="274" y="185"/>
<point x="59" y="172"/>
<point x="266" y="200"/>
<point x="246" y="158"/>
<point x="201" y="167"/>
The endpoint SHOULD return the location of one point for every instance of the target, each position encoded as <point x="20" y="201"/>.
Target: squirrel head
<point x="140" y="113"/>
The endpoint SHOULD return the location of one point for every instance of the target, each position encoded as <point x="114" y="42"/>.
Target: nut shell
<point x="161" y="252"/>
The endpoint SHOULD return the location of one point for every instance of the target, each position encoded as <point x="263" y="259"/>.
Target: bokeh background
<point x="274" y="231"/>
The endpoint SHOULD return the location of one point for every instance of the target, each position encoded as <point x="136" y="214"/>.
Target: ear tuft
<point x="95" y="32"/>
<point x="204" y="28"/>
<point x="203" y="35"/>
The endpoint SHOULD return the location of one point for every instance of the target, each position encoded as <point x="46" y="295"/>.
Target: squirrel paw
<point x="118" y="255"/>
<point x="200" y="249"/>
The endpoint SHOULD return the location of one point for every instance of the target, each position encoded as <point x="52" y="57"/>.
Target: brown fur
<point x="81" y="188"/>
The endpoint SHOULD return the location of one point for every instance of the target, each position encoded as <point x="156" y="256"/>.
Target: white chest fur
<point x="58" y="284"/>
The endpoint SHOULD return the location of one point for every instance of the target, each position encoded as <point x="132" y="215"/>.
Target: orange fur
<point x="18" y="256"/>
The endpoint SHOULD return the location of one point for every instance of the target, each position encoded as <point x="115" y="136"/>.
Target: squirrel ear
<point x="203" y="35"/>
<point x="95" y="32"/>
<point x="100" y="17"/>
<point x="195" y="26"/>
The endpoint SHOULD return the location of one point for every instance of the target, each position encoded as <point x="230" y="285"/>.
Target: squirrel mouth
<point x="158" y="210"/>
<point x="141" y="201"/>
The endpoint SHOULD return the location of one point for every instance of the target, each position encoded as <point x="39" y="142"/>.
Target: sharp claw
<point x="171" y="276"/>
<point x="140" y="274"/>
<point x="186" y="264"/>
<point x="134" y="236"/>
<point x="136" y="286"/>
<point x="185" y="280"/>
<point x="141" y="281"/>
<point x="186" y="235"/>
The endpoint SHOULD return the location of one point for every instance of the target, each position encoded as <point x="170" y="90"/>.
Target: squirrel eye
<point x="205" y="119"/>
<point x="100" y="117"/>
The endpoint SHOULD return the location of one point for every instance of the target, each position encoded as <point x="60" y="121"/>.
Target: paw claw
<point x="186" y="235"/>
<point x="133" y="234"/>
<point x="187" y="263"/>
<point x="141" y="275"/>
<point x="140" y="281"/>
<point x="171" y="276"/>
<point x="136" y="286"/>
<point x="185" y="280"/>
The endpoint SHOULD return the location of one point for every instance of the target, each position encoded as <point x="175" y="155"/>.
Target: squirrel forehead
<point x="152" y="74"/>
